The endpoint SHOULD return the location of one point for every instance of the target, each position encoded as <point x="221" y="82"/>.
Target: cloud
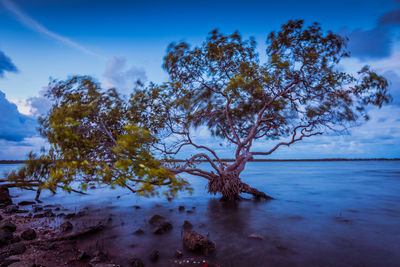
<point x="39" y="105"/>
<point x="11" y="150"/>
<point x="6" y="64"/>
<point x="118" y="75"/>
<point x="390" y="18"/>
<point x="36" y="26"/>
<point x="375" y="43"/>
<point x="14" y="126"/>
<point x="394" y="86"/>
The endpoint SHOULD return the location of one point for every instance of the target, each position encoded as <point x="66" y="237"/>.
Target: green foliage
<point x="91" y="140"/>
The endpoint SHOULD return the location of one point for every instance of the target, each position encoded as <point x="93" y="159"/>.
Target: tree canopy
<point x="297" y="91"/>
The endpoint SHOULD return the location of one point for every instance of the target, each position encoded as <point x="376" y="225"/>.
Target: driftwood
<point x="71" y="236"/>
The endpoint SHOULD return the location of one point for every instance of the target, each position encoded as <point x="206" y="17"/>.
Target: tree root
<point x="245" y="188"/>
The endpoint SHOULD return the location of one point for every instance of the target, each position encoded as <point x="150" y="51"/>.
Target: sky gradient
<point x="118" y="42"/>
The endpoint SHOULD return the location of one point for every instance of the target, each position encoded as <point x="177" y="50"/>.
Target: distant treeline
<point x="331" y="159"/>
<point x="255" y="160"/>
<point x="11" y="161"/>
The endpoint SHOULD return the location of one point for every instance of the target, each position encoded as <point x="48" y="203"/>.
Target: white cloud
<point x="118" y="75"/>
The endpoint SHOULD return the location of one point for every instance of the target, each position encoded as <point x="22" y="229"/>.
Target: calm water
<point x="325" y="214"/>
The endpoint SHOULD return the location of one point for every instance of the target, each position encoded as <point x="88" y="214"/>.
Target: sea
<point x="325" y="213"/>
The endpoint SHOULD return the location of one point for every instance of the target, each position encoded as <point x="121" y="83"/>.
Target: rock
<point x="83" y="256"/>
<point x="37" y="208"/>
<point x="26" y="203"/>
<point x="105" y="265"/>
<point x="69" y="215"/>
<point x="5" y="236"/>
<point x="66" y="226"/>
<point x="46" y="213"/>
<point x="178" y="254"/>
<point x="156" y="219"/>
<point x="81" y="213"/>
<point x="8" y="226"/>
<point x="15" y="239"/>
<point x="342" y="220"/>
<point x="5" y="198"/>
<point x="50" y="206"/>
<point x="28" y="234"/>
<point x="187" y="225"/>
<point x="99" y="257"/>
<point x="22" y="211"/>
<point x="154" y="255"/>
<point x="194" y="241"/>
<point x="15" y="249"/>
<point x="162" y="228"/>
<point x="136" y="207"/>
<point x="9" y="261"/>
<point x="255" y="236"/>
<point x="138" y="232"/>
<point x="136" y="262"/>
<point x="11" y="209"/>
<point x="181" y="208"/>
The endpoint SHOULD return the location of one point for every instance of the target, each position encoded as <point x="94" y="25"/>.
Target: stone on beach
<point x="28" y="234"/>
<point x="5" y="198"/>
<point x="194" y="241"/>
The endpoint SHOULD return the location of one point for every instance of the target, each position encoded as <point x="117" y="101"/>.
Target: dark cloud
<point x="390" y="18"/>
<point x="377" y="42"/>
<point x="14" y="126"/>
<point x="6" y="64"/>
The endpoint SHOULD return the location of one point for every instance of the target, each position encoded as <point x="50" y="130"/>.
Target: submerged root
<point x="231" y="186"/>
<point x="245" y="188"/>
<point x="228" y="185"/>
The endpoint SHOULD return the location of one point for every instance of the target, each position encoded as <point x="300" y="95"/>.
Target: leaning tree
<point x="300" y="91"/>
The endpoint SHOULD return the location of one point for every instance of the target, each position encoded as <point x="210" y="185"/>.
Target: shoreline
<point x="40" y="234"/>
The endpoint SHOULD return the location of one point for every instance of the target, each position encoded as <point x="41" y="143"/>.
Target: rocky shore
<point x="35" y="234"/>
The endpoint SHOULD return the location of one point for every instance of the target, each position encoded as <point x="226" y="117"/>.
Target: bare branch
<point x="293" y="140"/>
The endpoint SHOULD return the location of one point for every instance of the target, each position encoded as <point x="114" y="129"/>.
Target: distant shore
<point x="256" y="160"/>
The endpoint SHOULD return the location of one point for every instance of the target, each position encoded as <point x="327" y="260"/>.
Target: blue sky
<point x="120" y="41"/>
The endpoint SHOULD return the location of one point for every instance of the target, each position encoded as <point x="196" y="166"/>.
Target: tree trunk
<point x="230" y="186"/>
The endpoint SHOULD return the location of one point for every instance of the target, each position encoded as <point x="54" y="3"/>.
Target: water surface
<point x="325" y="214"/>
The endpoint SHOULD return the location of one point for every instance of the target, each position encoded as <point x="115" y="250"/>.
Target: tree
<point x="299" y="92"/>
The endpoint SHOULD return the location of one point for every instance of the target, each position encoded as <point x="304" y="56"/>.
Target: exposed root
<point x="228" y="185"/>
<point x="245" y="188"/>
